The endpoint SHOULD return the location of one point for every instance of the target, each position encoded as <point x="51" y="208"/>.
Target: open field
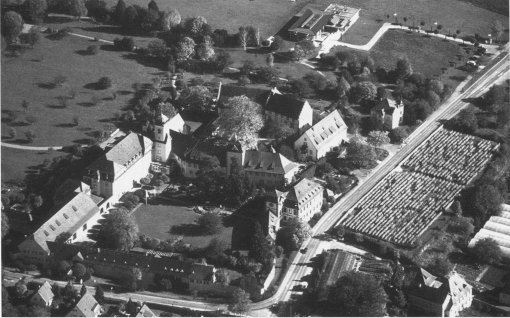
<point x="427" y="55"/>
<point x="16" y="163"/>
<point x="27" y="78"/>
<point x="156" y="221"/>
<point x="270" y="15"/>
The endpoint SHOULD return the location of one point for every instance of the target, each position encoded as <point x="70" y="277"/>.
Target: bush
<point x="92" y="50"/>
<point x="398" y="134"/>
<point x="210" y="223"/>
<point x="124" y="44"/>
<point x="104" y="83"/>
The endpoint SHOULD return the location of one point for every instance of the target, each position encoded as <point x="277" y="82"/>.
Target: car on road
<point x="304" y="250"/>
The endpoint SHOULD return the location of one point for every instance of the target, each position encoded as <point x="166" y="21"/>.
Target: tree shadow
<point x="110" y="29"/>
<point x="84" y="141"/>
<point x="47" y="85"/>
<point x="108" y="47"/>
<point x="93" y="86"/>
<point x="86" y="104"/>
<point x="19" y="123"/>
<point x="124" y="92"/>
<point x="55" y="106"/>
<point x="65" y="125"/>
<point x="186" y="229"/>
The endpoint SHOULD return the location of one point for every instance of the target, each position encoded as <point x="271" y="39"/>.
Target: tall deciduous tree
<point x="357" y="295"/>
<point x="403" y="68"/>
<point x="185" y="49"/>
<point x="119" y="231"/>
<point x="170" y="19"/>
<point x="365" y="90"/>
<point x="210" y="223"/>
<point x="119" y="12"/>
<point x="5" y="224"/>
<point x="378" y="138"/>
<point x="77" y="8"/>
<point x="243" y="119"/>
<point x="240" y="302"/>
<point x="487" y="251"/>
<point x="12" y="24"/>
<point x="36" y="10"/>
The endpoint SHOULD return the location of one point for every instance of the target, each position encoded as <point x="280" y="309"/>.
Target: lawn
<point x="156" y="221"/>
<point x="451" y="14"/>
<point x="26" y="78"/>
<point x="17" y="163"/>
<point x="427" y="55"/>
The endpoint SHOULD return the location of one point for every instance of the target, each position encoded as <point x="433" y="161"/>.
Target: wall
<point x="306" y="117"/>
<point x="137" y="171"/>
<point x="32" y="252"/>
<point x="268" y="279"/>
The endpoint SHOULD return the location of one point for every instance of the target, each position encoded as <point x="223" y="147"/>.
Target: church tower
<point x="162" y="139"/>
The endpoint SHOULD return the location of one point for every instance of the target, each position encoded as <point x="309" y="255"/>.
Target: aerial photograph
<point x="255" y="158"/>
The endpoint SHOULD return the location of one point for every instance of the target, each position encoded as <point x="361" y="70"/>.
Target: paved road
<point x="43" y="148"/>
<point x="326" y="47"/>
<point x="335" y="215"/>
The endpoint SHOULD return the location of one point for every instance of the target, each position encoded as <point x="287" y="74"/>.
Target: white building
<point x="322" y="137"/>
<point x="43" y="297"/>
<point x="389" y="112"/>
<point x="127" y="159"/>
<point x="285" y="109"/>
<point x="498" y="229"/>
<point x="302" y="199"/>
<point x="87" y="306"/>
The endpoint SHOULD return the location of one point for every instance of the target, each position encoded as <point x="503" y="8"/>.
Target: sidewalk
<point x="42" y="148"/>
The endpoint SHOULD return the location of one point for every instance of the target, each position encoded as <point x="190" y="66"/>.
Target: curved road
<point x="338" y="211"/>
<point x="7" y="145"/>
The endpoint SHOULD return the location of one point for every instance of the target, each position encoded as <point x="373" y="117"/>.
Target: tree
<point x="92" y="50"/>
<point x="378" y="138"/>
<point x="195" y="27"/>
<point x="30" y="135"/>
<point x="301" y="88"/>
<point x="5" y="224"/>
<point x="130" y="19"/>
<point x="62" y="268"/>
<point x="270" y="59"/>
<point x="343" y="87"/>
<point x="132" y="279"/>
<point x="403" y="68"/>
<point x="12" y="24"/>
<point x="36" y="10"/>
<point x="185" y="49"/>
<point x="120" y="231"/>
<point x="497" y="29"/>
<point x="196" y="98"/>
<point x="77" y="8"/>
<point x="363" y="91"/>
<point x="243" y="119"/>
<point x="79" y="270"/>
<point x="33" y="37"/>
<point x="37" y="201"/>
<point x="487" y="251"/>
<point x="210" y="223"/>
<point x="243" y="37"/>
<point x="153" y="11"/>
<point x="99" y="295"/>
<point x="266" y="74"/>
<point x="259" y="247"/>
<point x="119" y="12"/>
<point x="304" y="49"/>
<point x="360" y="155"/>
<point x="20" y="288"/>
<point x="104" y="82"/>
<point x="357" y="295"/>
<point x="240" y="302"/>
<point x="170" y="20"/>
<point x="439" y="266"/>
<point x="465" y="121"/>
<point x="205" y="51"/>
<point x="83" y="290"/>
<point x="12" y="132"/>
<point x="25" y="105"/>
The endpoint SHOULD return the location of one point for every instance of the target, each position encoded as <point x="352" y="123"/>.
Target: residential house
<point x="43" y="297"/>
<point x="73" y="221"/>
<point x="87" y="306"/>
<point x="322" y="137"/>
<point x="439" y="296"/>
<point x="302" y="199"/>
<point x="286" y="109"/>
<point x="389" y="112"/>
<point x="126" y="160"/>
<point x="264" y="169"/>
<point x="317" y="25"/>
<point x="115" y="264"/>
<point x="137" y="309"/>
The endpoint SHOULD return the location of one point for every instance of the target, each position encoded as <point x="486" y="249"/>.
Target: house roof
<point x="214" y="146"/>
<point x="430" y="287"/>
<point x="45" y="292"/>
<point x="180" y="143"/>
<point x="202" y="271"/>
<point x="145" y="311"/>
<point x="326" y="129"/>
<point x="498" y="229"/>
<point x="303" y="191"/>
<point x="68" y="218"/>
<point x="311" y="21"/>
<point x="388" y="104"/>
<point x="270" y="162"/>
<point x="87" y="305"/>
<point x="120" y="154"/>
<point x="285" y="104"/>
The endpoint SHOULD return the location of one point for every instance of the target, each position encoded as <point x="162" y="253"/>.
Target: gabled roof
<point x="388" y="104"/>
<point x="326" y="129"/>
<point x="45" y="292"/>
<point x="304" y="191"/>
<point x="87" y="305"/>
<point x="311" y="21"/>
<point x="285" y="104"/>
<point x="145" y="311"/>
<point x="119" y="155"/>
<point x="202" y="272"/>
<point x="214" y="147"/>
<point x="430" y="287"/>
<point x="269" y="162"/>
<point x="180" y="143"/>
<point x="69" y="218"/>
